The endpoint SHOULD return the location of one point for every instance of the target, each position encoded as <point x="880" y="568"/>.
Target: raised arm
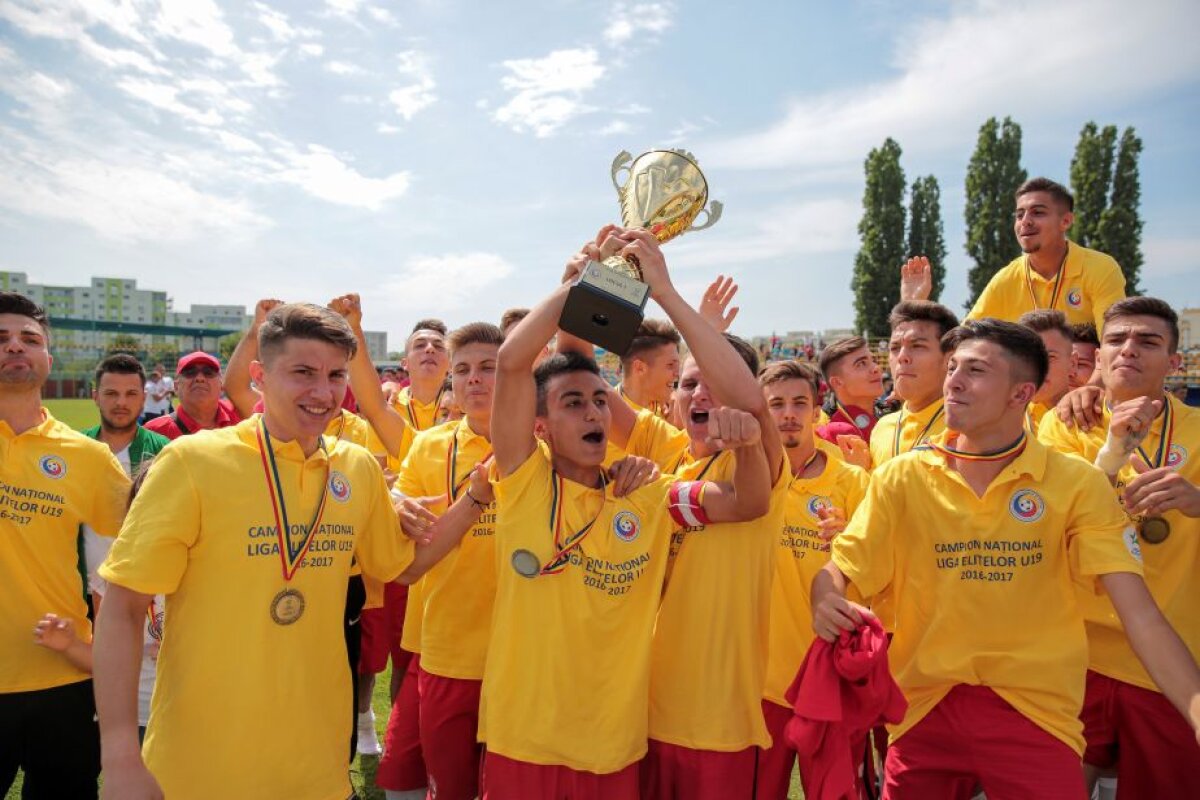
<point x="1156" y="643"/>
<point x="748" y="496"/>
<point x="237" y="372"/>
<point x="724" y="370"/>
<point x="515" y="398"/>
<point x="389" y="424"/>
<point x="448" y="531"/>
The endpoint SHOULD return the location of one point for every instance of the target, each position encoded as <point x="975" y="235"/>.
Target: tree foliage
<point x="1091" y="180"/>
<point x="993" y="176"/>
<point x="926" y="236"/>
<point x="876" y="282"/>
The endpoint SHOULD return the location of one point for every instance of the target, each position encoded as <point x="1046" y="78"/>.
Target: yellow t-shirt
<point x="1171" y="568"/>
<point x="52" y="479"/>
<point x="458" y="591"/>
<point x="223" y="656"/>
<point x="1091" y="283"/>
<point x="800" y="554"/>
<point x="901" y="431"/>
<point x="568" y="664"/>
<point x="985" y="587"/>
<point x="418" y="417"/>
<point x="348" y="427"/>
<point x="654" y="438"/>
<point x="414" y="614"/>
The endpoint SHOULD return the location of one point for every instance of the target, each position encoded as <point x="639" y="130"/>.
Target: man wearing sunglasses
<point x="201" y="407"/>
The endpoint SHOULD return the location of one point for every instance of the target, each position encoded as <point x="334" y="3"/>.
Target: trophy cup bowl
<point x="664" y="192"/>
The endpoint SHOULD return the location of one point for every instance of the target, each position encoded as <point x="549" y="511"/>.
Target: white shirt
<point x="161" y="386"/>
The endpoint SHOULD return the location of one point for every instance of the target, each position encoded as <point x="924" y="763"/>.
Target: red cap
<point x="198" y="357"/>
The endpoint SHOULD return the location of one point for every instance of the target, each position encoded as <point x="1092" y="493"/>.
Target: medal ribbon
<point x="564" y="546"/>
<point x="1014" y="449"/>
<point x="1058" y="279"/>
<point x="412" y="417"/>
<point x="921" y="436"/>
<point x="291" y="561"/>
<point x="453" y="485"/>
<point x="1164" y="438"/>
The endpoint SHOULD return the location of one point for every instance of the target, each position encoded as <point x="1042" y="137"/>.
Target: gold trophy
<point x="664" y="192"/>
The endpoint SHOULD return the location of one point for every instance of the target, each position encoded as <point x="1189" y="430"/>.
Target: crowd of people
<point x="982" y="579"/>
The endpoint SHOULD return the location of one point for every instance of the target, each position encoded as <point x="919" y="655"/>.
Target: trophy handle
<point x="621" y="162"/>
<point x="711" y="215"/>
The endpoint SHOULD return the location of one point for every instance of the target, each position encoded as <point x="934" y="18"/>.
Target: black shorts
<point x="52" y="735"/>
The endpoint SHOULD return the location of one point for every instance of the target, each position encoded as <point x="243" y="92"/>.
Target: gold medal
<point x="287" y="607"/>
<point x="1154" y="530"/>
<point x="526" y="563"/>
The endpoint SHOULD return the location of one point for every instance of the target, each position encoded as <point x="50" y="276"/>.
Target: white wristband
<point x="1111" y="458"/>
<point x="397" y="495"/>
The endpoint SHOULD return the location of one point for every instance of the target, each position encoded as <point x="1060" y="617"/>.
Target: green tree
<point x="1091" y="179"/>
<point x="925" y="234"/>
<point x="876" y="281"/>
<point x="162" y="352"/>
<point x="124" y="343"/>
<point x="227" y="343"/>
<point x="992" y="179"/>
<point x="1120" y="229"/>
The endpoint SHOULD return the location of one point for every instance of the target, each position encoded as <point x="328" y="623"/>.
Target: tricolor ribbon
<point x="921" y="436"/>
<point x="291" y="558"/>
<point x="564" y="546"/>
<point x="1164" y="439"/>
<point x="1011" y="451"/>
<point x="453" y="485"/>
<point x="1058" y="280"/>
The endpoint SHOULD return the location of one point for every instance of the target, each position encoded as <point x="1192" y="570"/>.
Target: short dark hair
<point x="17" y="303"/>
<point x="1044" y="320"/>
<point x="511" y="317"/>
<point x="555" y="365"/>
<point x="1024" y="347"/>
<point x="429" y="325"/>
<point x="304" y="321"/>
<point x="745" y="350"/>
<point x="121" y="364"/>
<point x="1085" y="333"/>
<point x="1052" y="188"/>
<point x="1147" y="307"/>
<point x="923" y="311"/>
<point x="832" y="355"/>
<point x="651" y="334"/>
<point x="474" y="333"/>
<point x="791" y="370"/>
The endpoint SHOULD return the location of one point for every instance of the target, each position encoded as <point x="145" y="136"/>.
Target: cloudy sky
<point x="444" y="157"/>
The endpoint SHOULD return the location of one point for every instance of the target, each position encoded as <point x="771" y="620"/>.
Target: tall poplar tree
<point x="925" y="234"/>
<point x="876" y="281"/>
<point x="1120" y="231"/>
<point x="1091" y="180"/>
<point x="993" y="176"/>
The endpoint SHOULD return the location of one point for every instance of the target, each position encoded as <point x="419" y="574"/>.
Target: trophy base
<point x="605" y="307"/>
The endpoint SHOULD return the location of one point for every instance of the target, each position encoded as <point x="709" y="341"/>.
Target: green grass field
<point x="81" y="414"/>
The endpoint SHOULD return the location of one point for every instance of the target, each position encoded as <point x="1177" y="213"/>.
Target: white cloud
<point x="387" y="129"/>
<point x="323" y="174"/>
<point x="1166" y="256"/>
<point x="197" y="22"/>
<point x="638" y="21"/>
<point x="166" y="97"/>
<point x="418" y="95"/>
<point x="312" y="50"/>
<point x="614" y="128"/>
<point x="548" y="92"/>
<point x="343" y="68"/>
<point x="382" y="16"/>
<point x="964" y="69"/>
<point x="280" y="26"/>
<point x="441" y="284"/>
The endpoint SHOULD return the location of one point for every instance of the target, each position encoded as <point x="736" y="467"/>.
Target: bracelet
<point x="475" y="499"/>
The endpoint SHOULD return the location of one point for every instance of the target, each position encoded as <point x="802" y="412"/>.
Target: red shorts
<point x="373" y="628"/>
<point x="775" y="765"/>
<point x="449" y="725"/>
<point x="1141" y="733"/>
<point x="402" y="767"/>
<point x="506" y="779"/>
<point x="671" y="772"/>
<point x="974" y="737"/>
<point x="395" y="600"/>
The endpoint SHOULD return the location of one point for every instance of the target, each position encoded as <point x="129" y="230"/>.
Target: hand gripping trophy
<point x="664" y="192"/>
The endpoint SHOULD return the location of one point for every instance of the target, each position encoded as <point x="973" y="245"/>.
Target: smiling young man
<point x="1053" y="273"/>
<point x="1052" y="328"/>
<point x="856" y="382"/>
<point x="1147" y="443"/>
<point x="984" y="537"/>
<point x="201" y="407"/>
<point x="823" y="493"/>
<point x="256" y="588"/>
<point x="580" y="571"/>
<point x="52" y="479"/>
<point x="918" y="367"/>
<point x="650" y="367"/>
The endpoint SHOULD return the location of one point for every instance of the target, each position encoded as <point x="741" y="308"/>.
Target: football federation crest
<point x="1075" y="298"/>
<point x="1176" y="456"/>
<point x="52" y="467"/>
<point x="626" y="526"/>
<point x="1027" y="506"/>
<point x="339" y="487"/>
<point x="818" y="503"/>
